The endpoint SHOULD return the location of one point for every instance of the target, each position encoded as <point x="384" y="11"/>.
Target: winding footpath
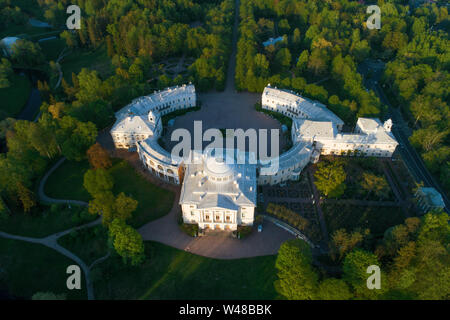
<point x="45" y="198"/>
<point x="51" y="241"/>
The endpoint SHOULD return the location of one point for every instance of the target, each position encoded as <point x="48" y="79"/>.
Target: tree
<point x="26" y="197"/>
<point x="98" y="112"/>
<point x="5" y="72"/>
<point x="261" y="65"/>
<point x="89" y="83"/>
<point x="329" y="178"/>
<point x="27" y="53"/>
<point x="343" y="242"/>
<point x="317" y="62"/>
<point x="98" y="181"/>
<point x="124" y="206"/>
<point x="376" y="184"/>
<point x="98" y="157"/>
<point x="127" y="242"/>
<point x="297" y="280"/>
<point x="427" y="138"/>
<point x="355" y="273"/>
<point x="70" y="37"/>
<point x="302" y="61"/>
<point x="334" y="289"/>
<point x="283" y="59"/>
<point x="76" y="137"/>
<point x="103" y="205"/>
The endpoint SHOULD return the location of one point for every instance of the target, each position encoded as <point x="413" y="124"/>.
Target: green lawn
<point x="52" y="48"/>
<point x="89" y="244"/>
<point x="14" y="98"/>
<point x="94" y="60"/>
<point x="66" y="182"/>
<point x="27" y="268"/>
<point x="44" y="222"/>
<point x="27" y="32"/>
<point x="154" y="202"/>
<point x="170" y="273"/>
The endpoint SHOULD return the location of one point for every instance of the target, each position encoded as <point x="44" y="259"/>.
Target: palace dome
<point x="219" y="166"/>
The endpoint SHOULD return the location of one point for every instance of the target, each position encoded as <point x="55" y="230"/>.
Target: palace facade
<point x="221" y="194"/>
<point x="139" y="125"/>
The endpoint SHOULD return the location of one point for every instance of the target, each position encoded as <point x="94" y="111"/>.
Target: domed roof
<point x="218" y="166"/>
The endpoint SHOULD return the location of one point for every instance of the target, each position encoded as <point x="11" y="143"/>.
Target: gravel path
<point x="51" y="241"/>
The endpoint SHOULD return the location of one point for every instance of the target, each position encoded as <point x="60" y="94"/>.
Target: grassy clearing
<point x="94" y="60"/>
<point x="154" y="202"/>
<point x="25" y="31"/>
<point x="66" y="182"/>
<point x="27" y="268"/>
<point x="14" y="98"/>
<point x="45" y="220"/>
<point x="170" y="273"/>
<point x="52" y="48"/>
<point x="88" y="244"/>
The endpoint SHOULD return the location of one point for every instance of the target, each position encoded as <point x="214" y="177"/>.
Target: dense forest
<point x="418" y="79"/>
<point x="324" y="41"/>
<point x="137" y="35"/>
<point x="412" y="257"/>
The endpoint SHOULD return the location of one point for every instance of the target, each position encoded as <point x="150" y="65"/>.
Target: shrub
<point x="244" y="231"/>
<point x="189" y="229"/>
<point x="288" y="216"/>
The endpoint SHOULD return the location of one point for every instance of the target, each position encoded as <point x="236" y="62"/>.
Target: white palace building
<point x="219" y="193"/>
<point x="139" y="125"/>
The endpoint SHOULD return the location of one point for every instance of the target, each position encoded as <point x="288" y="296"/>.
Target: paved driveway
<point x="226" y="110"/>
<point x="219" y="246"/>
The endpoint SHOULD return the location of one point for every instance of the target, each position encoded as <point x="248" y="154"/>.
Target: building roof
<point x="312" y="129"/>
<point x="373" y="132"/>
<point x="313" y="109"/>
<point x="9" y="41"/>
<point x="152" y="148"/>
<point x="300" y="153"/>
<point x="433" y="197"/>
<point x="272" y="41"/>
<point x="369" y="125"/>
<point x="200" y="185"/>
<point x="142" y="105"/>
<point x="134" y="124"/>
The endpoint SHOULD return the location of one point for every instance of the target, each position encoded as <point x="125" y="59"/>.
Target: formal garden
<point x="351" y="217"/>
<point x="301" y="216"/>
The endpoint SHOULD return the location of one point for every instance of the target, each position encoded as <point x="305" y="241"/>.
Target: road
<point x="400" y="130"/>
